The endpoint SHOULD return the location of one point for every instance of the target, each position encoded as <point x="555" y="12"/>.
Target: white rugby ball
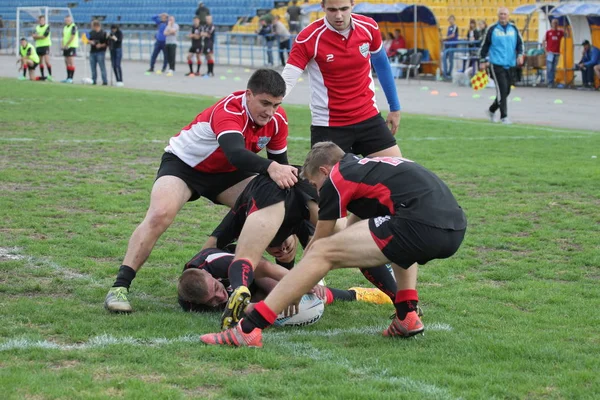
<point x="311" y="310"/>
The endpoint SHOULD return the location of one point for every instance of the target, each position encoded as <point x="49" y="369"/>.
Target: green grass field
<point x="515" y="314"/>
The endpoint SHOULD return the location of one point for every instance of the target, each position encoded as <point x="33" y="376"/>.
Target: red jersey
<point x="197" y="145"/>
<point x="341" y="85"/>
<point x="397" y="44"/>
<point x="553" y="38"/>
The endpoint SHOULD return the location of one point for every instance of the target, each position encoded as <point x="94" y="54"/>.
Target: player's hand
<point x="520" y="60"/>
<point x="393" y="121"/>
<point x="285" y="176"/>
<point x="483" y="66"/>
<point x="320" y="292"/>
<point x="292" y="309"/>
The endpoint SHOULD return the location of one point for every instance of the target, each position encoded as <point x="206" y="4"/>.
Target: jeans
<point x="551" y="61"/>
<point x="98" y="59"/>
<point x="115" y="61"/>
<point x="284" y="47"/>
<point x="158" y="47"/>
<point x="171" y="53"/>
<point x="448" y="64"/>
<point x="269" y="50"/>
<point x="587" y="76"/>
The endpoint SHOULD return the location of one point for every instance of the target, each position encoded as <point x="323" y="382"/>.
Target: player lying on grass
<point x="409" y="215"/>
<point x="265" y="216"/>
<point x="204" y="284"/>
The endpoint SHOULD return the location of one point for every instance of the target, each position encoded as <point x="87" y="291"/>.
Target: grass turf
<point x="515" y="314"/>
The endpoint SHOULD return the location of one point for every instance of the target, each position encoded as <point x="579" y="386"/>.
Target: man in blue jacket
<point x="501" y="51"/>
<point x="589" y="64"/>
<point x="160" y="44"/>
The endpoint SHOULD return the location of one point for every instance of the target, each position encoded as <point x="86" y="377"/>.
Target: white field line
<point x="517" y="126"/>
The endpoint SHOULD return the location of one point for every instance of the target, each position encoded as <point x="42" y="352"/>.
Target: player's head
<point x="68" y="20"/>
<point x="586" y="45"/>
<point x="554" y="23"/>
<point x="114" y="28"/>
<point x="42" y="19"/>
<point x="208" y="19"/>
<point x="264" y="95"/>
<point x="338" y="13"/>
<point x="96" y="25"/>
<point x="319" y="162"/>
<point x="23" y="41"/>
<point x="286" y="251"/>
<point x="503" y="14"/>
<point x="196" y="21"/>
<point x="197" y="290"/>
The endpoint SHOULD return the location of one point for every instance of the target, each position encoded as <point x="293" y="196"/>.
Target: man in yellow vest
<point x="42" y="45"/>
<point x="29" y="59"/>
<point x="70" y="42"/>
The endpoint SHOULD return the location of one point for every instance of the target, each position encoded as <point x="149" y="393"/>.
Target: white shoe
<point x="506" y="121"/>
<point x="119" y="84"/>
<point x="490" y="115"/>
<point x="170" y="73"/>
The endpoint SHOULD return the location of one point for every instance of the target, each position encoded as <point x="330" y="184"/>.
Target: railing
<point x="466" y="47"/>
<point x="244" y="49"/>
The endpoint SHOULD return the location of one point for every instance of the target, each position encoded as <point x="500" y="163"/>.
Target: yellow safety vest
<point x="67" y="36"/>
<point x="32" y="54"/>
<point x="46" y="41"/>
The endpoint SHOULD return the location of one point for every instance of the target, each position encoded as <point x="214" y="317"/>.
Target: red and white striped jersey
<point x="339" y="68"/>
<point x="197" y="145"/>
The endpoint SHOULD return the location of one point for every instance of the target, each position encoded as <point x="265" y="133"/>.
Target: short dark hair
<point x="266" y="81"/>
<point x="96" y="23"/>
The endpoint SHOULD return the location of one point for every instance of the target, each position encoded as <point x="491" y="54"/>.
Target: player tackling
<point x="409" y="216"/>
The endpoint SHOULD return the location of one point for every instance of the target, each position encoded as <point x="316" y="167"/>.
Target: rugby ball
<point x="311" y="310"/>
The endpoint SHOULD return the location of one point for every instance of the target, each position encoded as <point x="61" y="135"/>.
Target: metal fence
<point x="242" y="49"/>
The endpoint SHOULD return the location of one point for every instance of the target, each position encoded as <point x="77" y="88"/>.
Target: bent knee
<point x="326" y="251"/>
<point x="159" y="219"/>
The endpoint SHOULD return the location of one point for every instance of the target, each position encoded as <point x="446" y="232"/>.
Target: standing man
<point x="293" y="17"/>
<point x="338" y="52"/>
<point x="202" y="12"/>
<point x="43" y="42"/>
<point x="98" y="45"/>
<point x="266" y="31"/>
<point x="195" y="49"/>
<point x="159" y="45"/>
<point x="70" y="43"/>
<point x="501" y="51"/>
<point x="29" y="59"/>
<point x="414" y="218"/>
<point x="589" y="64"/>
<point x="213" y="157"/>
<point x="552" y="46"/>
<point x="451" y="36"/>
<point x="116" y="52"/>
<point x="283" y="36"/>
<point x="207" y="32"/>
<point x="171" y="32"/>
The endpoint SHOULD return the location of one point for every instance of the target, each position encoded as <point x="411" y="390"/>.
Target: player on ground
<point x="338" y="52"/>
<point x="266" y="216"/>
<point x="213" y="157"/>
<point x="411" y="217"/>
<point x="208" y="39"/>
<point x="204" y="284"/>
<point x="43" y="41"/>
<point x="195" y="49"/>
<point x="70" y="43"/>
<point x="29" y="59"/>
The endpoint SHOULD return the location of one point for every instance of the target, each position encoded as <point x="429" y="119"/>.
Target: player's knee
<point x="159" y="219"/>
<point x="326" y="253"/>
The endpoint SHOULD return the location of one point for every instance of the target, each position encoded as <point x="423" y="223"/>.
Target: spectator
<point x="473" y="35"/>
<point x="1" y="28"/>
<point x="98" y="44"/>
<point x="29" y="59"/>
<point x="387" y="43"/>
<point x="70" y="43"/>
<point x="451" y="36"/>
<point x="266" y="31"/>
<point x="171" y="32"/>
<point x="207" y="32"/>
<point x="501" y="51"/>
<point x="202" y="12"/>
<point x="283" y="36"/>
<point x="552" y="47"/>
<point x="304" y="17"/>
<point x="116" y="52"/>
<point x="589" y="64"/>
<point x="293" y="17"/>
<point x="159" y="46"/>
<point x="397" y="44"/>
<point x="195" y="49"/>
<point x="482" y="27"/>
<point x="43" y="41"/>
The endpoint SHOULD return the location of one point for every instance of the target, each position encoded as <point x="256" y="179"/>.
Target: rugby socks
<point x="124" y="277"/>
<point x="406" y="301"/>
<point x="25" y="71"/>
<point x="49" y="69"/>
<point x="340" y="295"/>
<point x="70" y="71"/>
<point x="241" y="273"/>
<point x="211" y="65"/>
<point x="382" y="278"/>
<point x="198" y="65"/>
<point x="260" y="317"/>
<point x="190" y="65"/>
<point x="42" y="70"/>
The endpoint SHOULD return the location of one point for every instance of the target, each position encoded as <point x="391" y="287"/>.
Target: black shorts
<point x="34" y="66"/>
<point x="406" y="242"/>
<point x="207" y="48"/>
<point x="42" y="50"/>
<point x="70" y="52"/>
<point x="201" y="184"/>
<point x="364" y="138"/>
<point x="195" y="50"/>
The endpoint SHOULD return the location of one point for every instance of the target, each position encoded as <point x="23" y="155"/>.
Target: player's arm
<point x="299" y="57"/>
<point x="381" y="63"/>
<point x="324" y="229"/>
<point x="73" y="37"/>
<point x="267" y="269"/>
<point x="225" y="233"/>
